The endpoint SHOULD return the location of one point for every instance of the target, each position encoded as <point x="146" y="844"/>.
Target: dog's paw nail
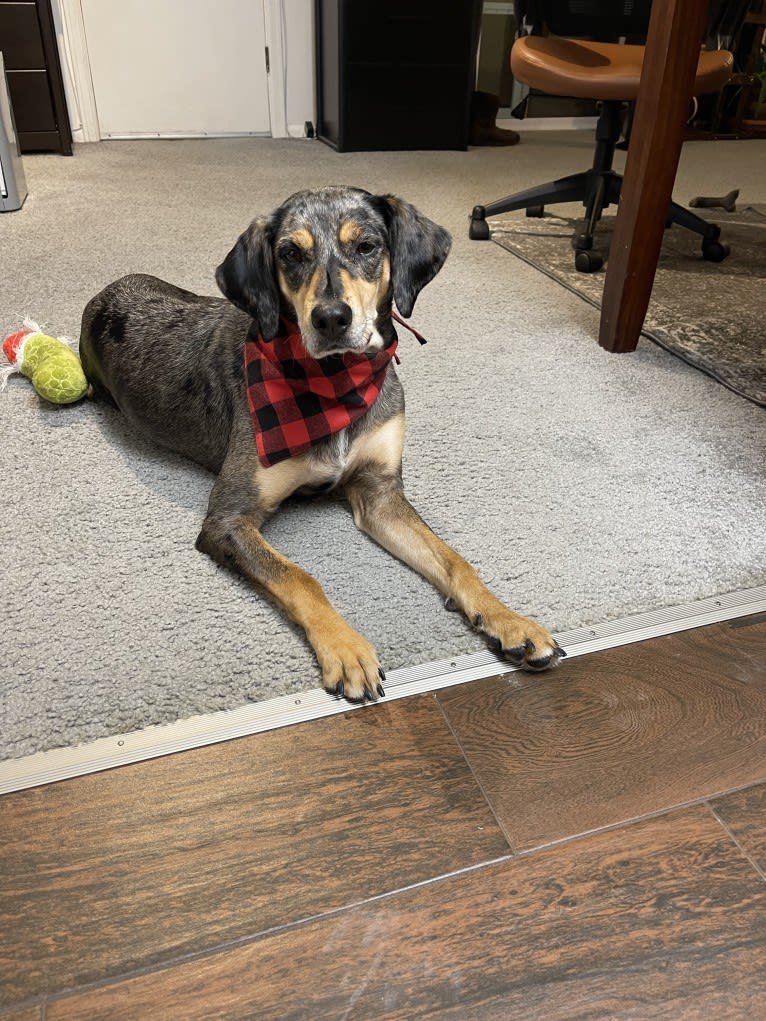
<point x="478" y="621"/>
<point x="381" y="691"/>
<point x="382" y="673"/>
<point x="559" y="652"/>
<point x="450" y="604"/>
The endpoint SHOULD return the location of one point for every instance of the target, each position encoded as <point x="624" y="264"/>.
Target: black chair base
<point x="597" y="189"/>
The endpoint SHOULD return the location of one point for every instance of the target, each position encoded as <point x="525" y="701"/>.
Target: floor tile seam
<point x="702" y="801"/>
<point x="522" y="852"/>
<point x="513" y="850"/>
<point x="250" y="939"/>
<point x="30" y="1003"/>
<point x="737" y="842"/>
<point x="253" y="938"/>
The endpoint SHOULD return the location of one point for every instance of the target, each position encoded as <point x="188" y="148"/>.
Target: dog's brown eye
<point x="366" y="247"/>
<point x="291" y="254"/>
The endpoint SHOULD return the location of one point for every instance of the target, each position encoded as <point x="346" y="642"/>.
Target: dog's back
<point x="169" y="359"/>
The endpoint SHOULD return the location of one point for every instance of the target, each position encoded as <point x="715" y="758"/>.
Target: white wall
<point x="298" y="21"/>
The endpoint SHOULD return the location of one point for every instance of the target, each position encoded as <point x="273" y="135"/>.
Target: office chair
<point x="565" y="64"/>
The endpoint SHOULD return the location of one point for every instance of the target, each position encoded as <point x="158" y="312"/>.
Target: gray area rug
<point x="713" y="315"/>
<point x="584" y="486"/>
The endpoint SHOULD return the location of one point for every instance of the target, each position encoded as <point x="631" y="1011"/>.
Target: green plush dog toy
<point x="50" y="364"/>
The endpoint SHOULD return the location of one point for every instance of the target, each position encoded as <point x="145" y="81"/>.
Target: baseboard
<point x="548" y="123"/>
<point x="128" y="136"/>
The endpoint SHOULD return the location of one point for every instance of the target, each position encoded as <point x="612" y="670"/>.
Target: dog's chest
<point x="328" y="465"/>
<point x="332" y="462"/>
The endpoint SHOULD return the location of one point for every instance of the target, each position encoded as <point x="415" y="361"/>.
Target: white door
<point x="178" y="67"/>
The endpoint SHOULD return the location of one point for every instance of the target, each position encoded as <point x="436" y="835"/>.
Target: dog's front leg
<point x="381" y="509"/>
<point x="348" y="662"/>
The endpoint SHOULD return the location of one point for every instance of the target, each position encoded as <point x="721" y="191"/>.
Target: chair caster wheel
<point x="588" y="262"/>
<point x="714" y="251"/>
<point x="535" y="211"/>
<point x="479" y="228"/>
<point x="582" y="242"/>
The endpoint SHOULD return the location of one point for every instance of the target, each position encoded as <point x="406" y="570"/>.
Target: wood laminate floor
<point x="585" y="844"/>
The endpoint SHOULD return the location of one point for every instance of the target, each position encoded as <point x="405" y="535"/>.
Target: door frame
<point x="75" y="57"/>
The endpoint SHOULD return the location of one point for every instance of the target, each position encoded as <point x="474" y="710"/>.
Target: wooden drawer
<point x="20" y="38"/>
<point x="35" y="84"/>
<point x="31" y="100"/>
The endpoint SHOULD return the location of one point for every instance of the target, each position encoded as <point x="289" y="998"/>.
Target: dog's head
<point x="333" y="260"/>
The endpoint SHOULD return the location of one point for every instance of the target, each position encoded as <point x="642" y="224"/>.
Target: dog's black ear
<point x="418" y="249"/>
<point x="247" y="277"/>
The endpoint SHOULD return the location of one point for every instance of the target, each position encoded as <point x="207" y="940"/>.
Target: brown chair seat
<point x="564" y="64"/>
<point x="601" y="71"/>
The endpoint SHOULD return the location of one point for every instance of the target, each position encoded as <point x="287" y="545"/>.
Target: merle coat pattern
<point x="334" y="261"/>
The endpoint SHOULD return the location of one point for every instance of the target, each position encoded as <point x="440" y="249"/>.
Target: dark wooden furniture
<point x="394" y="75"/>
<point x="676" y="28"/>
<point x="35" y="84"/>
<point x="751" y="114"/>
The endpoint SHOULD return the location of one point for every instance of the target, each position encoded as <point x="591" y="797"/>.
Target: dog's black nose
<point x="331" y="321"/>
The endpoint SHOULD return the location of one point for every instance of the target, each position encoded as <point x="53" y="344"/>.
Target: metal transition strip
<point x="156" y="741"/>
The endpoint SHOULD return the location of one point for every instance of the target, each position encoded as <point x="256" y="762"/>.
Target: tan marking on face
<point x="385" y="278"/>
<point x="364" y="296"/>
<point x="303" y="238"/>
<point x="302" y="300"/>
<point x="349" y="232"/>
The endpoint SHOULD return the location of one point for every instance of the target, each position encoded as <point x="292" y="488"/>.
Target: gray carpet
<point x="713" y="315"/>
<point x="584" y="486"/>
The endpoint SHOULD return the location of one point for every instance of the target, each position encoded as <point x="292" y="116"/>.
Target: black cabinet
<point x="395" y="74"/>
<point x="28" y="44"/>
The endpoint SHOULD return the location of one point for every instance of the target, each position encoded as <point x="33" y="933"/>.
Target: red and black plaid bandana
<point x="297" y="401"/>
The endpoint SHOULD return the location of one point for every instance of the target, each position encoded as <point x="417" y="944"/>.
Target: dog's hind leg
<point x="231" y="535"/>
<point x="381" y="509"/>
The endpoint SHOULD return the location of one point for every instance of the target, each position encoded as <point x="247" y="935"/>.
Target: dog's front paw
<point x="522" y="642"/>
<point x="349" y="664"/>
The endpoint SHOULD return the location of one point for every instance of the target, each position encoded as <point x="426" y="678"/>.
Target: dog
<point x="198" y="375"/>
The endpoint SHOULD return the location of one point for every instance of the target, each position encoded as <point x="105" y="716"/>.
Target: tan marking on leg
<point x="348" y="662"/>
<point x="381" y="509"/>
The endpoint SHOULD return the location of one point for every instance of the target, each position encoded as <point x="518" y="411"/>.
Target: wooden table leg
<point x="662" y="109"/>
